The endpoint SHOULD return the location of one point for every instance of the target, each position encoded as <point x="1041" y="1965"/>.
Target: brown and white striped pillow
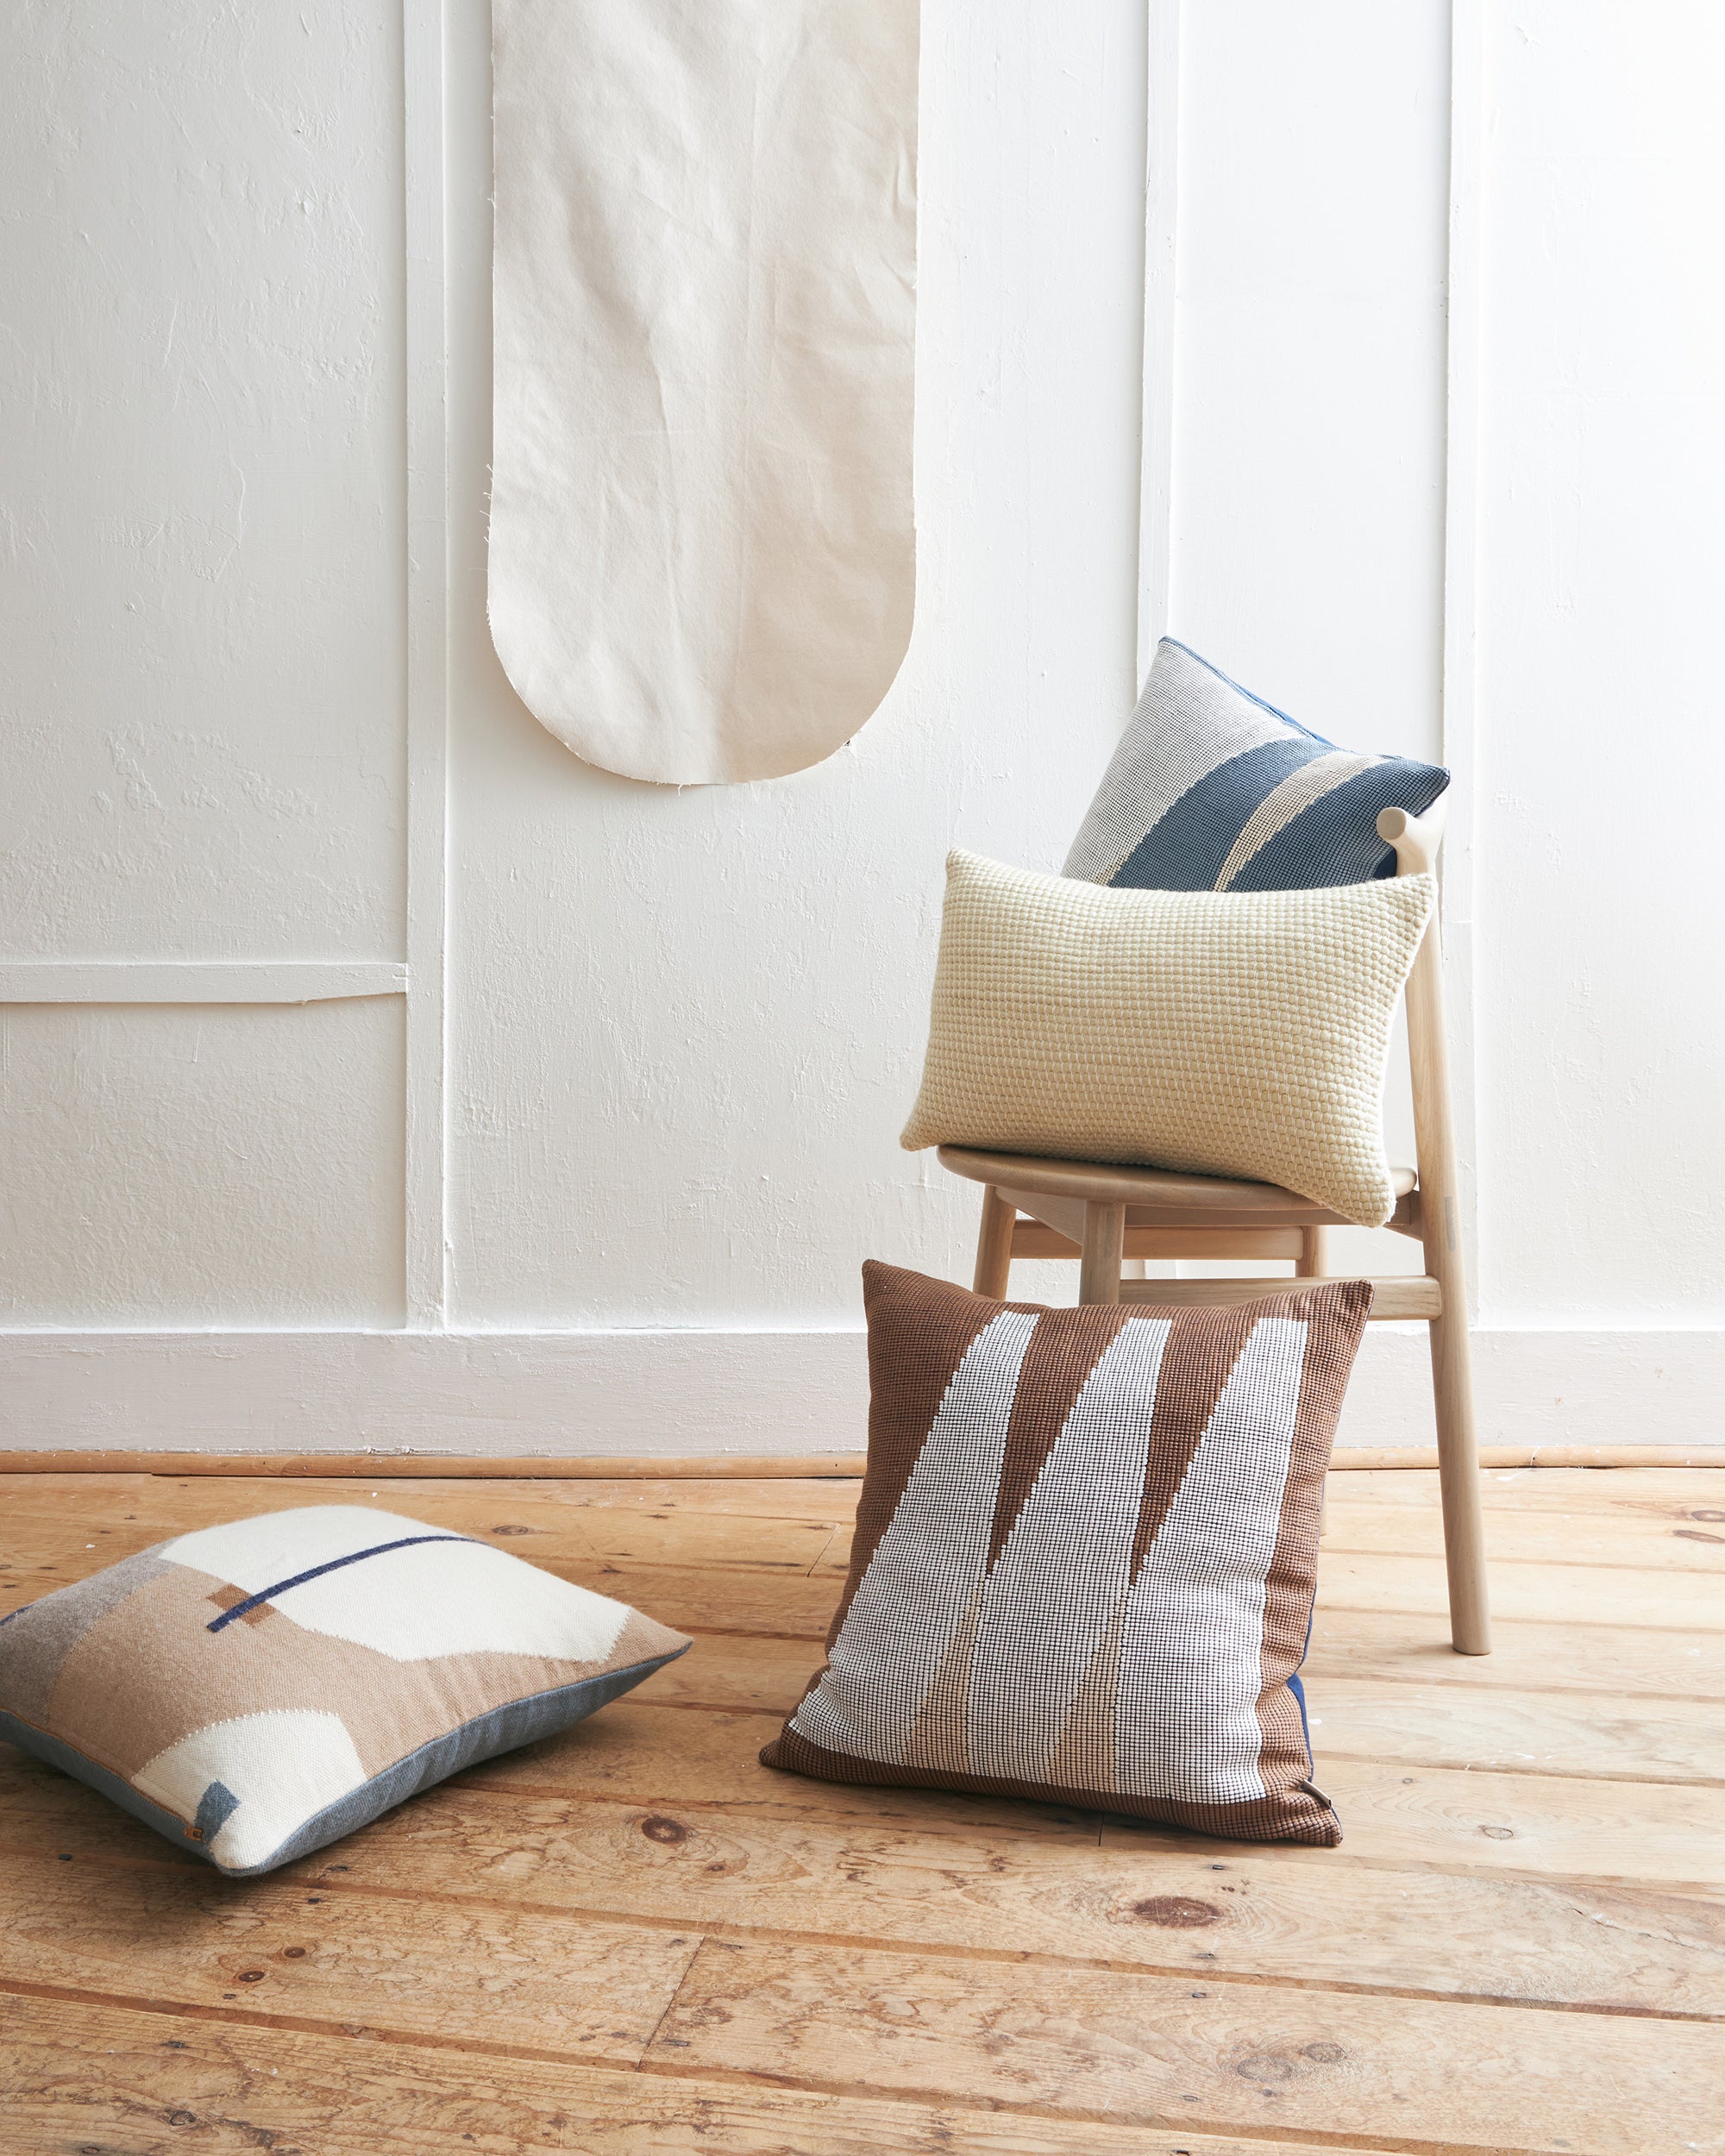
<point x="1085" y="1557"/>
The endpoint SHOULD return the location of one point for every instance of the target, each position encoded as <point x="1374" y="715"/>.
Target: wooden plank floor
<point x="636" y="1938"/>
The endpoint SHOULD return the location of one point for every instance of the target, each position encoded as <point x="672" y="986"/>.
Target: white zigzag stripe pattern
<point x="1192" y="1626"/>
<point x="928" y="1563"/>
<point x="1183" y="1636"/>
<point x="1066" y="1564"/>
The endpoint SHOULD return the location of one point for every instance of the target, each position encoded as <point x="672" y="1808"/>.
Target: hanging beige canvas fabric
<point x="702" y="547"/>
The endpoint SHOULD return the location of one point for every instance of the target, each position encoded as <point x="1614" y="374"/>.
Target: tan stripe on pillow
<point x="1283" y="803"/>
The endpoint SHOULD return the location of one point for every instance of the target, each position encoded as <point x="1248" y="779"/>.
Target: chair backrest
<point x="1416" y="840"/>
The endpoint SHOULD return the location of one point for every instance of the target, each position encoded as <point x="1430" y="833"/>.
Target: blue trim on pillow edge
<point x="1251" y="695"/>
<point x="470" y="1743"/>
<point x="1293" y="1683"/>
<point x="1299" y="1691"/>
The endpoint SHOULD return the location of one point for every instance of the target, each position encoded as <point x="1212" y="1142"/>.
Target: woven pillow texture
<point x="257" y="1690"/>
<point x="1085" y="1556"/>
<point x="1212" y="789"/>
<point x="1215" y="1034"/>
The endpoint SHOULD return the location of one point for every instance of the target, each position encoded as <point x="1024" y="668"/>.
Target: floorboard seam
<point x="1373" y="2143"/>
<point x="1250" y="2134"/>
<point x="1071" y="1830"/>
<point x="670" y="2003"/>
<point x="727" y="1931"/>
<point x="1605" y="1881"/>
<point x="1532" y="1773"/>
<point x="311" y="2025"/>
<point x="838" y="1530"/>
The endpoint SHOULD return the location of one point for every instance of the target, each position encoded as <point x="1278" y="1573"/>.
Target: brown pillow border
<point x="919" y="1330"/>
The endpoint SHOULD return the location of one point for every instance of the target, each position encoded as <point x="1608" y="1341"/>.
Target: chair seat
<point x="1107" y="1184"/>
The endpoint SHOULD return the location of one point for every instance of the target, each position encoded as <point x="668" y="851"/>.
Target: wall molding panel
<point x="216" y="980"/>
<point x="1463" y="281"/>
<point x="428" y="664"/>
<point x="1161" y="244"/>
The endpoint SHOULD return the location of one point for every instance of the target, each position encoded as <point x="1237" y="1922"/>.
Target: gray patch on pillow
<point x="40" y="1636"/>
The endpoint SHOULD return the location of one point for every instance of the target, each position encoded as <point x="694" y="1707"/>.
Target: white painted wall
<point x="185" y="1166"/>
<point x="201" y="483"/>
<point x="1306" y="452"/>
<point x="682" y="1029"/>
<point x="1308" y="443"/>
<point x="1602" y="753"/>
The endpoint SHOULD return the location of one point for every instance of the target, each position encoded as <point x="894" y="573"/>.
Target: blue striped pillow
<point x="1212" y="789"/>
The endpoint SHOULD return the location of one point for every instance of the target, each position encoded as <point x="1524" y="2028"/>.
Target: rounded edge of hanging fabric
<point x="733" y="750"/>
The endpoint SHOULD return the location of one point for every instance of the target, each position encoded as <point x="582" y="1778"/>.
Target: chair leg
<point x="1459" y="1474"/>
<point x="994" y="1245"/>
<point x="1451" y="1355"/>
<point x="1099" y="1267"/>
<point x="1313" y="1262"/>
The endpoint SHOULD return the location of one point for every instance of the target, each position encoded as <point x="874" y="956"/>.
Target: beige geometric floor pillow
<point x="258" y="1689"/>
<point x="1215" y="1033"/>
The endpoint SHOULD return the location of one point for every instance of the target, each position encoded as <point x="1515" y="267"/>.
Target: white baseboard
<point x="1548" y="1387"/>
<point x="503" y="1394"/>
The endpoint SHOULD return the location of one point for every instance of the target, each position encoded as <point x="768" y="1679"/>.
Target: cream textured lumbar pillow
<point x="1217" y="1033"/>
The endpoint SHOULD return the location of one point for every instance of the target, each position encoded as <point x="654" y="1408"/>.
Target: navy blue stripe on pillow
<point x="1185" y="849"/>
<point x="1204" y="762"/>
<point x="317" y="1572"/>
<point x="1334" y="839"/>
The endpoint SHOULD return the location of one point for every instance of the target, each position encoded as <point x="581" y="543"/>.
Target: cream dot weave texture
<point x="1215" y="1033"/>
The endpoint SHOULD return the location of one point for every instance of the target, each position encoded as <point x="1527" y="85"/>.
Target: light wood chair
<point x="1101" y="1215"/>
